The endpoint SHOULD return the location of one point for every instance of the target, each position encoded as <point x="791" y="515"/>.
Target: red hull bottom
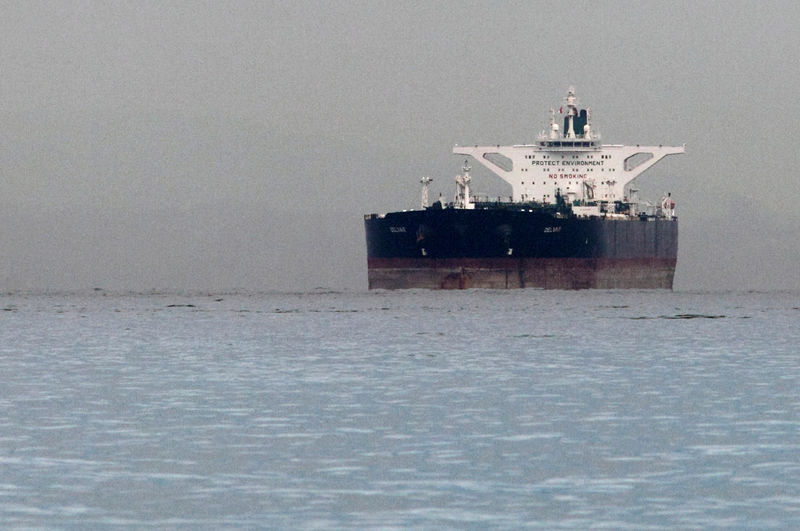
<point x="508" y="273"/>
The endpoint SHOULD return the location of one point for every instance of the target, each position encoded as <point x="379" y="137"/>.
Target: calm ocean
<point x="475" y="409"/>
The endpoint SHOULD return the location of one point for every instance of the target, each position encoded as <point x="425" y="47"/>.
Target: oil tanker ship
<point x="573" y="220"/>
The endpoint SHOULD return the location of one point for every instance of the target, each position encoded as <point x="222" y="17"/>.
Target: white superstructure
<point x="572" y="162"/>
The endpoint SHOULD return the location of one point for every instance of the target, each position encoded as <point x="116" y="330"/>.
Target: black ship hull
<point x="517" y="248"/>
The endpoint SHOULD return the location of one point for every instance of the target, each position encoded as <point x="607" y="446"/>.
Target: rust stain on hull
<point x="514" y="273"/>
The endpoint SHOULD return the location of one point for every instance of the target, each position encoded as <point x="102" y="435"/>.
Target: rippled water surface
<point x="412" y="409"/>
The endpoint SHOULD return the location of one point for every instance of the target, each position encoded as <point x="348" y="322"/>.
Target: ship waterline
<point x="508" y="273"/>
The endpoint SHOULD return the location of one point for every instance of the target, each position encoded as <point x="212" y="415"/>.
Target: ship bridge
<point x="571" y="162"/>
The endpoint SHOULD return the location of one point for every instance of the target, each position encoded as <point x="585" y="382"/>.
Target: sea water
<point x="474" y="409"/>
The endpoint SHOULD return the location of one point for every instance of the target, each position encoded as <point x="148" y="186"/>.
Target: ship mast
<point x="572" y="110"/>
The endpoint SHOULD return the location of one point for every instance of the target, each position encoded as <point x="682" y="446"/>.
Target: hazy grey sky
<point x="215" y="145"/>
